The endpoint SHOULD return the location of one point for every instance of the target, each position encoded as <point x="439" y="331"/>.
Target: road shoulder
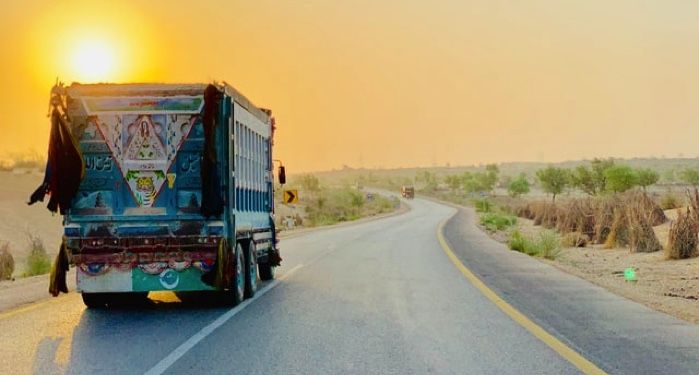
<point x="619" y="335"/>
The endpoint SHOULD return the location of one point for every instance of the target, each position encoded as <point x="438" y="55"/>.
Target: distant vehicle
<point x="407" y="192"/>
<point x="175" y="190"/>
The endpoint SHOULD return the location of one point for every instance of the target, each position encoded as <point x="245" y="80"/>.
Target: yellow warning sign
<point x="291" y="196"/>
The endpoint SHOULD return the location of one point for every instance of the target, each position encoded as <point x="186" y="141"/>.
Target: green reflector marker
<point x="630" y="274"/>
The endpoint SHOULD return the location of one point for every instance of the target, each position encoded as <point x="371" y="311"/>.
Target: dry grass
<point x="7" y="262"/>
<point x="615" y="221"/>
<point x="682" y="238"/>
<point x="640" y="219"/>
<point x="575" y="239"/>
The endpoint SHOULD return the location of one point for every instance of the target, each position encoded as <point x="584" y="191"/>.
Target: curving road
<point x="379" y="297"/>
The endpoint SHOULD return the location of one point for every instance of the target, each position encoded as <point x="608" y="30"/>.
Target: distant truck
<point x="175" y="191"/>
<point x="407" y="192"/>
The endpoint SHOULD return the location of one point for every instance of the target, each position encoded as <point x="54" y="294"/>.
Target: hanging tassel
<point x="57" y="279"/>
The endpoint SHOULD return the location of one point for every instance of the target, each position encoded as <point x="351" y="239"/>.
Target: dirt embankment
<point x="17" y="219"/>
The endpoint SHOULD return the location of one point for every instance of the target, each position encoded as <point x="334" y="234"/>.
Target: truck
<point x="173" y="190"/>
<point x="407" y="192"/>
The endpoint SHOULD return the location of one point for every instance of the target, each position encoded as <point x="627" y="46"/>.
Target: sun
<point x="93" y="61"/>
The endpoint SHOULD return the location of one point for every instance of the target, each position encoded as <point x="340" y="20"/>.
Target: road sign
<point x="291" y="196"/>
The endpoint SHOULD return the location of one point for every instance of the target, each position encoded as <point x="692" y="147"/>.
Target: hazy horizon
<point x="385" y="84"/>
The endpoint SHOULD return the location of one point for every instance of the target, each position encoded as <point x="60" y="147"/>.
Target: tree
<point x="485" y="181"/>
<point x="620" y="178"/>
<point x="491" y="176"/>
<point x="553" y="180"/>
<point x="690" y="176"/>
<point x="518" y="186"/>
<point x="646" y="177"/>
<point x="468" y="181"/>
<point x="592" y="180"/>
<point x="582" y="179"/>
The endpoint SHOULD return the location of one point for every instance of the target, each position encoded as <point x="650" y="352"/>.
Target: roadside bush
<point x="521" y="243"/>
<point x="670" y="201"/>
<point x="7" y="262"/>
<point x="38" y="262"/>
<point x="483" y="205"/>
<point x="546" y="245"/>
<point x="496" y="221"/>
<point x="682" y="239"/>
<point x="331" y="205"/>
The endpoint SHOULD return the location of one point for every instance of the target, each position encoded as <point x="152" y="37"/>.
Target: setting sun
<point x="93" y="61"/>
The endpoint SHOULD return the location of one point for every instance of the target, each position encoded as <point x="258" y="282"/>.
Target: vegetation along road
<point x="420" y="292"/>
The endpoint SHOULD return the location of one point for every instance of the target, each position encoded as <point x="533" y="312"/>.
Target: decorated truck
<point x="407" y="192"/>
<point x="162" y="187"/>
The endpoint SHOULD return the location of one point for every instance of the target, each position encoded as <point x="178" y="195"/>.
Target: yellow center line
<point x="559" y="347"/>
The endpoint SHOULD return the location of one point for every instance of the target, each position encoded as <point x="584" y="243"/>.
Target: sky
<point x="384" y="83"/>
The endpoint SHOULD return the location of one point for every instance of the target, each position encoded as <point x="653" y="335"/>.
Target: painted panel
<point x="143" y="136"/>
<point x="168" y="279"/>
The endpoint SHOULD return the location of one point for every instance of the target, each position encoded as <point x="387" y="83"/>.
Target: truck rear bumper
<point x="143" y="264"/>
<point x="138" y="280"/>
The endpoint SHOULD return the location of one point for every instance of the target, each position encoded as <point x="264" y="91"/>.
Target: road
<point x="380" y="297"/>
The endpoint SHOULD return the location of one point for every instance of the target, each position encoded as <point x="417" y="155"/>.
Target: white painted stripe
<point x="191" y="342"/>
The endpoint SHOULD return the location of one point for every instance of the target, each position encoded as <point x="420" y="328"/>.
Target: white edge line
<point x="191" y="342"/>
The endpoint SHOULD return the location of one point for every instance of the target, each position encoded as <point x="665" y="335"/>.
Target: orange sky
<point x="387" y="83"/>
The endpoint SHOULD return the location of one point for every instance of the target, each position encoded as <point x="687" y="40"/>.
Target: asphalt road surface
<point x="380" y="297"/>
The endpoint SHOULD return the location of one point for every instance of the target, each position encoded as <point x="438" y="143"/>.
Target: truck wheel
<point x="266" y="270"/>
<point x="236" y="291"/>
<point x="250" y="270"/>
<point x="95" y="300"/>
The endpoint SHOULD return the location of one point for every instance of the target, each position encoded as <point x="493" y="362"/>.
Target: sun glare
<point x="94" y="61"/>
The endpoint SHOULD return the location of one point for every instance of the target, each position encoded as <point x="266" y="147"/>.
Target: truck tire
<point x="250" y="270"/>
<point x="236" y="268"/>
<point x="96" y="300"/>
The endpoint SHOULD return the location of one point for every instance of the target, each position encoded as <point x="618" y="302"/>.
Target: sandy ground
<point x="671" y="286"/>
<point x="17" y="219"/>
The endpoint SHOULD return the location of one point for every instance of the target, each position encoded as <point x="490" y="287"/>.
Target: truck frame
<point x="177" y="192"/>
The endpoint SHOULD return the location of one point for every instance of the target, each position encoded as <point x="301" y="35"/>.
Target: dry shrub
<point x="619" y="230"/>
<point x="575" y="239"/>
<point x="646" y="204"/>
<point x="577" y="215"/>
<point x="7" y="262"/>
<point x="525" y="211"/>
<point x="682" y="239"/>
<point x="642" y="239"/>
<point x="544" y="213"/>
<point x="604" y="218"/>
<point x="670" y="201"/>
<point x="694" y="204"/>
